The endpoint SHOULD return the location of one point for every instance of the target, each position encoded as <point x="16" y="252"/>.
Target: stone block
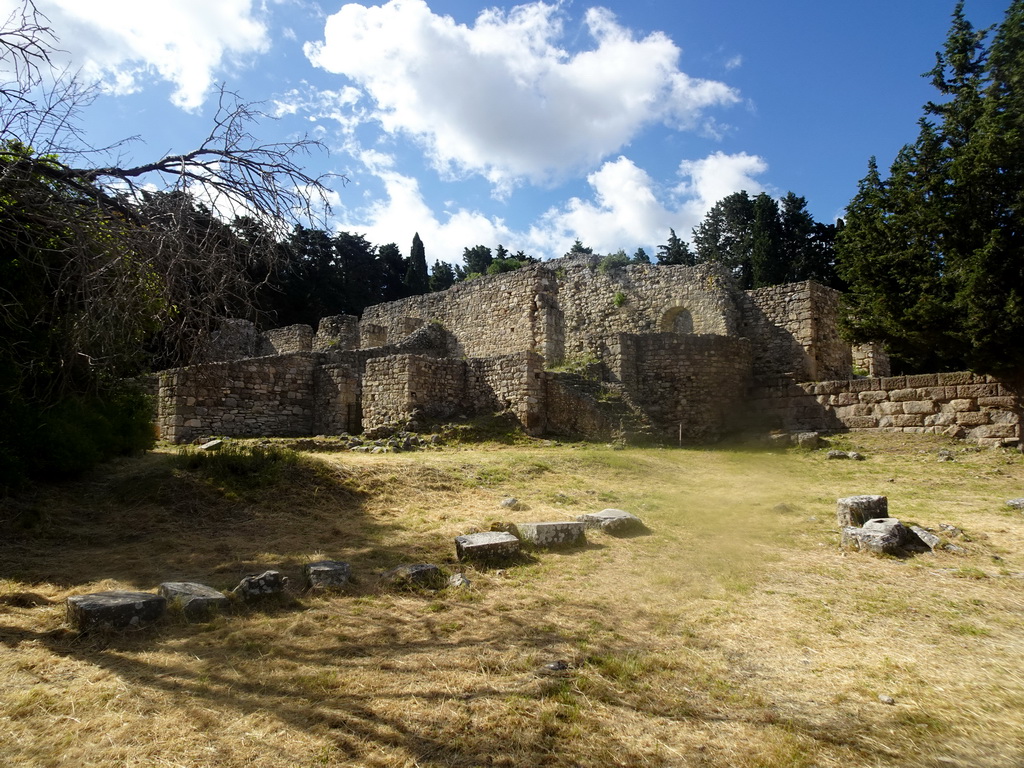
<point x="847" y="398"/>
<point x="920" y="406"/>
<point x="977" y="390"/>
<point x="940" y="420"/>
<point x="114" y="610"/>
<point x="949" y="379"/>
<point x="327" y="574"/>
<point x="860" y="422"/>
<point x="994" y="430"/>
<point x="265" y="584"/>
<point x="883" y="536"/>
<point x="198" y="602"/>
<point x="857" y="510"/>
<point x="614" y="521"/>
<point x="902" y="395"/>
<point x="889" y="409"/>
<point x="923" y="380"/>
<point x="908" y="420"/>
<point x="874" y="396"/>
<point x="551" y="535"/>
<point x="972" y="419"/>
<point x="489" y="546"/>
<point x="1009" y="403"/>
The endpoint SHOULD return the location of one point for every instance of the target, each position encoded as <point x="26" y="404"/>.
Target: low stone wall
<point x="281" y="341"/>
<point x="270" y="396"/>
<point x="984" y="409"/>
<point x="337" y="332"/>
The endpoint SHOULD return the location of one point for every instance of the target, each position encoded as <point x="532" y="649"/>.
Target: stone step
<point x="114" y="610"/>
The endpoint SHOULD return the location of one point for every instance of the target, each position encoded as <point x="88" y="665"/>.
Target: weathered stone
<point x="510" y="503"/>
<point x="416" y="576"/>
<point x="856" y="510"/>
<point x="808" y="440"/>
<point x="264" y="585"/>
<point x="883" y="536"/>
<point x="925" y="537"/>
<point x="198" y="602"/>
<point x="1016" y="503"/>
<point x="489" y="546"/>
<point x="614" y="521"/>
<point x="327" y="574"/>
<point x="834" y="454"/>
<point x="459" y="581"/>
<point x="114" y="610"/>
<point x="211" y="445"/>
<point x="555" y="534"/>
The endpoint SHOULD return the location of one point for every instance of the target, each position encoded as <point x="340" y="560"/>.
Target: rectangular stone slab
<point x="198" y="602"/>
<point x="327" y="574"/>
<point x="487" y="546"/>
<point x="553" y="534"/>
<point x="114" y="610"/>
<point x="614" y="521"/>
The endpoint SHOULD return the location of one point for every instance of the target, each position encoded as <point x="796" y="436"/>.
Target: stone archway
<point x="677" y="320"/>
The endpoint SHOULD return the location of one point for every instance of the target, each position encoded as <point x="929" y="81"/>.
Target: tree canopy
<point x="934" y="253"/>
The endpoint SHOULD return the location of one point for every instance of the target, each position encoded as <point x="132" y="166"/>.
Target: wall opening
<point x="677" y="320"/>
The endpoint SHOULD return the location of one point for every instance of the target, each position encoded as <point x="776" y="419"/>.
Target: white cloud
<point x="627" y="209"/>
<point x="502" y="98"/>
<point x="121" y="43"/>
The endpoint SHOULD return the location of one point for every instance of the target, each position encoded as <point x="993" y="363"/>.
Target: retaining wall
<point x="984" y="409"/>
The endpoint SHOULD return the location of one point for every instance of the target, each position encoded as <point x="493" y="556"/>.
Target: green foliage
<point x="613" y="261"/>
<point x="619" y="300"/>
<point x="579" y="249"/>
<point x="932" y="253"/>
<point x="239" y="467"/>
<point x="675" y="251"/>
<point x="641" y="257"/>
<point x="442" y="276"/>
<point x="417" y="281"/>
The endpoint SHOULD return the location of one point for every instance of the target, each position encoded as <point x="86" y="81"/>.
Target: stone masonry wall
<point x="337" y="332"/>
<point x="696" y="384"/>
<point x="793" y="331"/>
<point x="265" y="396"/>
<point x="281" y="341"/>
<point x="510" y="383"/>
<point x="598" y="304"/>
<point x="336" y="407"/>
<point x="980" y="408"/>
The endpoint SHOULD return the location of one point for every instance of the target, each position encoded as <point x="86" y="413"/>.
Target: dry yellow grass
<point x="735" y="634"/>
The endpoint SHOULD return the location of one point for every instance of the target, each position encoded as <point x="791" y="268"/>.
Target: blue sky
<point x="528" y="125"/>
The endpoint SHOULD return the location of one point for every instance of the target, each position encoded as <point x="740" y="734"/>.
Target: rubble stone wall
<point x="980" y="408"/>
<point x="270" y="396"/>
<point x="336" y="405"/>
<point x="794" y="333"/>
<point x="337" y="332"/>
<point x="686" y="384"/>
<point x="281" y="341"/>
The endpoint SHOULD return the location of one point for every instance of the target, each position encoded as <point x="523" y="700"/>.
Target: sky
<point x="527" y="125"/>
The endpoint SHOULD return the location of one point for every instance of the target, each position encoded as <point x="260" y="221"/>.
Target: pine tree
<point x="417" y="280"/>
<point x="675" y="251"/>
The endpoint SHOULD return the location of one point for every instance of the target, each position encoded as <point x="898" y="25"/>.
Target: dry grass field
<point x="736" y="633"/>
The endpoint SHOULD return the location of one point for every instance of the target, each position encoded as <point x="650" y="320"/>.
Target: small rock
<point x="808" y="440"/>
<point x="926" y="537"/>
<point x="556" y="666"/>
<point x="327" y="574"/>
<point x="856" y="456"/>
<point x="955" y="549"/>
<point x="211" y="445"/>
<point x="886" y="699"/>
<point x="510" y="503"/>
<point x="264" y="585"/>
<point x="883" y="536"/>
<point x="1016" y="503"/>
<point x="614" y="521"/>
<point x="837" y="455"/>
<point x="459" y="581"/>
<point x="951" y="530"/>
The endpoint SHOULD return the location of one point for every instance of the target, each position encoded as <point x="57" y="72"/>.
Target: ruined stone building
<point x="567" y="347"/>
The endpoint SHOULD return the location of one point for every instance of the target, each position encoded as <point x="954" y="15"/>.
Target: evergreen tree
<point x="675" y="251"/>
<point x="726" y="236"/>
<point x="767" y="266"/>
<point x="417" y="280"/>
<point x="442" y="276"/>
<point x="641" y="257"/>
<point x="933" y="255"/>
<point x="477" y="259"/>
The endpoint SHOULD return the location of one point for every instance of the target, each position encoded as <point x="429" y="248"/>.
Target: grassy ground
<point x="735" y="634"/>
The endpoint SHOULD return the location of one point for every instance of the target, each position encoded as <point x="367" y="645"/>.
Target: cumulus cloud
<point x="626" y="209"/>
<point x="502" y="98"/>
<point x="123" y="43"/>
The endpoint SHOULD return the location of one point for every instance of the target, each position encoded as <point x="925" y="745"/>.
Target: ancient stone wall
<point x="234" y="339"/>
<point x="793" y="330"/>
<point x="513" y="383"/>
<point x="980" y="408"/>
<point x="693" y="385"/>
<point x="337" y="393"/>
<point x="870" y="360"/>
<point x="281" y="341"/>
<point x="572" y="410"/>
<point x="261" y="396"/>
<point x="598" y="304"/>
<point x="337" y="332"/>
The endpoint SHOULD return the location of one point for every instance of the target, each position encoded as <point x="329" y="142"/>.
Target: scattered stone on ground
<point x="809" y="440"/>
<point x="883" y="536"/>
<point x="459" y="581"/>
<point x="198" y="602"/>
<point x="946" y="455"/>
<point x="114" y="610"/>
<point x="264" y="585"/>
<point x="510" y="503"/>
<point x="211" y="445"/>
<point x="856" y="510"/>
<point x="1016" y="503"/>
<point x="553" y="534"/>
<point x="951" y="530"/>
<point x="955" y="549"/>
<point x="327" y="574"/>
<point x="486" y="547"/>
<point x="853" y="455"/>
<point x="926" y="537"/>
<point x="415" y="576"/>
<point x="614" y="521"/>
<point x="886" y="699"/>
